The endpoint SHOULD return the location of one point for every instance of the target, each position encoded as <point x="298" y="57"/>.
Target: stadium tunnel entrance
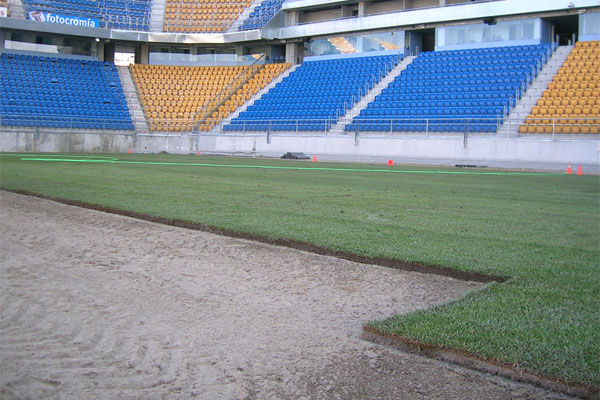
<point x="420" y="40"/>
<point x="564" y="28"/>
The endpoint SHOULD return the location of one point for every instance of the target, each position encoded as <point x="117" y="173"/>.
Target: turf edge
<point x="294" y="244"/>
<point x="476" y="362"/>
<point x="446" y="354"/>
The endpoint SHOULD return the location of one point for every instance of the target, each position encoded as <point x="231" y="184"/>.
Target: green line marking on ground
<point x="111" y="160"/>
<point x="55" y="155"/>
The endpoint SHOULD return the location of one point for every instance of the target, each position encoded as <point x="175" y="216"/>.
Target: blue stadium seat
<point x="261" y="15"/>
<point x="117" y="15"/>
<point x="58" y="93"/>
<point x="316" y="94"/>
<point x="460" y="86"/>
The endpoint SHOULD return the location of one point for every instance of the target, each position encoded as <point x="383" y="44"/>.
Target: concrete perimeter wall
<point x="492" y="151"/>
<point x="501" y="152"/>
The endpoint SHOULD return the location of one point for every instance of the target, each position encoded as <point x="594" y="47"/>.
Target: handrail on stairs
<point x="220" y="98"/>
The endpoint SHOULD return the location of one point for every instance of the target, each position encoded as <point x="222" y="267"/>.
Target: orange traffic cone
<point x="390" y="162"/>
<point x="569" y="170"/>
<point x="130" y="151"/>
<point x="198" y="153"/>
<point x="315" y="158"/>
<point x="579" y="172"/>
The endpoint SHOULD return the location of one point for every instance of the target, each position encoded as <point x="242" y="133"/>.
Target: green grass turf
<point x="542" y="231"/>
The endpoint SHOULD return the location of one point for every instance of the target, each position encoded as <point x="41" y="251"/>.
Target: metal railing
<point x="278" y="125"/>
<point x="201" y="118"/>
<point x="529" y="79"/>
<point x="562" y="125"/>
<point x="498" y="126"/>
<point x="543" y="128"/>
<point x="170" y="126"/>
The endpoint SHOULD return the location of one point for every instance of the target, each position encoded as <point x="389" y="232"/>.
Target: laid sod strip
<point x="116" y="161"/>
<point x="384" y="262"/>
<point x="539" y="230"/>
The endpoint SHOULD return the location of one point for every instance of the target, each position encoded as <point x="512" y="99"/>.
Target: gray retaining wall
<point x="521" y="152"/>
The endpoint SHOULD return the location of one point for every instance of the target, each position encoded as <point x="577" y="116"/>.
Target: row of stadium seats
<point x="571" y="103"/>
<point x="426" y="125"/>
<point x="317" y="94"/>
<point x="61" y="93"/>
<point x="202" y="16"/>
<point x="317" y="90"/>
<point x="185" y="16"/>
<point x="244" y="93"/>
<point x="508" y="71"/>
<point x="172" y="95"/>
<point x="261" y="15"/>
<point x="112" y="14"/>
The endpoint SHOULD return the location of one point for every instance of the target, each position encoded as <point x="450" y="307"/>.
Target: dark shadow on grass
<point x="294" y="244"/>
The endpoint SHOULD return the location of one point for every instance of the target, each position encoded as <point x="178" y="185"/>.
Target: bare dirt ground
<point x="95" y="305"/>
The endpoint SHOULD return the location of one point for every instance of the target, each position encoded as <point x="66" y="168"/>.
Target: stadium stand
<point x="207" y="16"/>
<point x="111" y="14"/>
<point x="262" y="78"/>
<point x="571" y="102"/>
<point x="261" y="15"/>
<point x="315" y="95"/>
<point x="172" y="95"/>
<point x="61" y="93"/>
<point x="454" y="91"/>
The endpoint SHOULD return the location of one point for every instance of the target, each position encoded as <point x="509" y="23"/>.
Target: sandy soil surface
<point x="95" y="305"/>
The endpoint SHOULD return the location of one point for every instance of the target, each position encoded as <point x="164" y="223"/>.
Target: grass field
<point x="541" y="231"/>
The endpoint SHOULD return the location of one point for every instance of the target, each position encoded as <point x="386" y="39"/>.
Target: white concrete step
<point x="157" y="15"/>
<point x="244" y="16"/>
<point x="16" y="9"/>
<point x="523" y="107"/>
<point x="257" y="96"/>
<point x="136" y="111"/>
